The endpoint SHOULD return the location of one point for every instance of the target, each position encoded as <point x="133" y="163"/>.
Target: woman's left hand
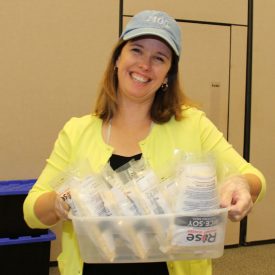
<point x="235" y="195"/>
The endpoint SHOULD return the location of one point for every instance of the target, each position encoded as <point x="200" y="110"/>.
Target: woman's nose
<point x="145" y="63"/>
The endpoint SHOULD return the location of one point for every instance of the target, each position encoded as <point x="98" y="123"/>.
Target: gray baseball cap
<point x="158" y="23"/>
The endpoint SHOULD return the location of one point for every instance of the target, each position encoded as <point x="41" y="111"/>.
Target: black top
<point x="117" y="161"/>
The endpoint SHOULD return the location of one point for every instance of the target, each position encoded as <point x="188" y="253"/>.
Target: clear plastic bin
<point x="124" y="239"/>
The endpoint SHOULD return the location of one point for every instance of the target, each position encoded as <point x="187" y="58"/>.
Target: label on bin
<point x="197" y="231"/>
<point x="191" y="221"/>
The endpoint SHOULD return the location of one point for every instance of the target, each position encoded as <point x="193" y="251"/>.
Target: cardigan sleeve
<point x="227" y="157"/>
<point x="56" y="163"/>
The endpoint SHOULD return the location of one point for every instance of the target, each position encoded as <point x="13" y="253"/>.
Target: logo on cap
<point x="159" y="20"/>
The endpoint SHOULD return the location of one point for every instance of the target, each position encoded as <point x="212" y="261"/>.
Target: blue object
<point x="16" y="187"/>
<point x="29" y="255"/>
<point x="12" y="196"/>
<point x="28" y="239"/>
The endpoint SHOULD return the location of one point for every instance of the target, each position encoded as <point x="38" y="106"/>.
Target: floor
<point x="250" y="260"/>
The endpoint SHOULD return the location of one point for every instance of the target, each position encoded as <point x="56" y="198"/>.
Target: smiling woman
<point x="141" y="112"/>
<point x="143" y="67"/>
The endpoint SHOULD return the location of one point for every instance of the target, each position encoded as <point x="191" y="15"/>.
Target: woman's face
<point x="143" y="66"/>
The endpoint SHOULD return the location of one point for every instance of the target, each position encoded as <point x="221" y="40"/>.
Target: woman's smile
<point x="139" y="78"/>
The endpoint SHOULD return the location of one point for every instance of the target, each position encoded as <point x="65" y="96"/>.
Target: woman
<point x="140" y="112"/>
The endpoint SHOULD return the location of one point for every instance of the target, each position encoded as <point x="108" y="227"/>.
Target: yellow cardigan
<point x="81" y="138"/>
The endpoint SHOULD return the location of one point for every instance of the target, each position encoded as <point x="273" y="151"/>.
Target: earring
<point x="164" y="87"/>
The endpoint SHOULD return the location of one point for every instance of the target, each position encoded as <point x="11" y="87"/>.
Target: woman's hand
<point x="235" y="195"/>
<point x="61" y="208"/>
<point x="50" y="208"/>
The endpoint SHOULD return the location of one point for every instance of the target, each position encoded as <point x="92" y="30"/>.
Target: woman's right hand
<point x="61" y="208"/>
<point x="50" y="208"/>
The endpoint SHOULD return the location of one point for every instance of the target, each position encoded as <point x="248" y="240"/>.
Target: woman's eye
<point x="159" y="59"/>
<point x="136" y="50"/>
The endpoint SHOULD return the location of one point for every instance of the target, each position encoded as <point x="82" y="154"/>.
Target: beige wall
<point x="52" y="56"/>
<point x="261" y="224"/>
